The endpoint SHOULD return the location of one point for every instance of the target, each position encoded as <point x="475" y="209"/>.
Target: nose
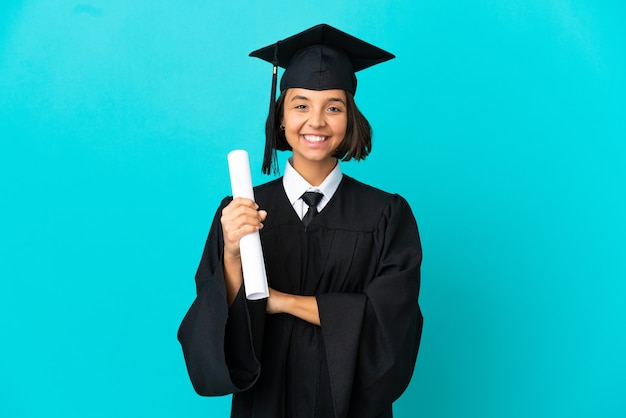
<point x="317" y="119"/>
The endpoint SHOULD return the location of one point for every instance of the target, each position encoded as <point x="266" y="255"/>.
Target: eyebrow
<point x="331" y="99"/>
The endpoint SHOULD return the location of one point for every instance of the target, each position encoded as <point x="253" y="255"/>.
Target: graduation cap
<point x="319" y="58"/>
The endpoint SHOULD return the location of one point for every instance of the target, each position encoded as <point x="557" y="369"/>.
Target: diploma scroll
<point x="254" y="276"/>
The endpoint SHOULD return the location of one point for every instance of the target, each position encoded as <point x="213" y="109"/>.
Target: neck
<point x="314" y="172"/>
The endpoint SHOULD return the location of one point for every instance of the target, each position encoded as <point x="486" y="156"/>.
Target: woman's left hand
<point x="303" y="307"/>
<point x="275" y="302"/>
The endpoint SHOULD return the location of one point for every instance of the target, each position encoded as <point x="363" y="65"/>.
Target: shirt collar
<point x="295" y="185"/>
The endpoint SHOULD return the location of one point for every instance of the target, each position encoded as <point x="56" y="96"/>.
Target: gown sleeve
<point x="372" y="338"/>
<point x="219" y="343"/>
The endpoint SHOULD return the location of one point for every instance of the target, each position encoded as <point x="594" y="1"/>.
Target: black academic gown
<point x="361" y="258"/>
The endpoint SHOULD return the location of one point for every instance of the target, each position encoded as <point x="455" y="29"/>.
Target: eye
<point x="334" y="109"/>
<point x="300" y="106"/>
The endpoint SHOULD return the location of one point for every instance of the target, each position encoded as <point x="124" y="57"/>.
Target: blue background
<point x="502" y="123"/>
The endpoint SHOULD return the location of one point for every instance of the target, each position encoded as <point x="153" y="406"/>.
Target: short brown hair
<point x="356" y="144"/>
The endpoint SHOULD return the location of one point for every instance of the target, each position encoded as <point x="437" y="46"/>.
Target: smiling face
<point x="315" y="125"/>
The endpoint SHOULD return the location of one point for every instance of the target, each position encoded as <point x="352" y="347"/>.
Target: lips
<point x="315" y="138"/>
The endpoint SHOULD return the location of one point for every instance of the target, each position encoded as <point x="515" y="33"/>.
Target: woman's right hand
<point x="240" y="217"/>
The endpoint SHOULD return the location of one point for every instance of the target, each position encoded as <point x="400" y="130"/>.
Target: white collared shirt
<point x="295" y="186"/>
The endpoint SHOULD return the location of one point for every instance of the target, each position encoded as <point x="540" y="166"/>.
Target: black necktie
<point x="311" y="199"/>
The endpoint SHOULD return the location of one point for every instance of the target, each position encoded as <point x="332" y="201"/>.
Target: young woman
<point x="339" y="334"/>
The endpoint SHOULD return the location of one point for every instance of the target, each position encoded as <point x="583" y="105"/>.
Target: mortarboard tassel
<point x="270" y="158"/>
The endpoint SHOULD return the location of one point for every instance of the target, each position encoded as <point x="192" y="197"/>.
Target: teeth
<point x="314" y="138"/>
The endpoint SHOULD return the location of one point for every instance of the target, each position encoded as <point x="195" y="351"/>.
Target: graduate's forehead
<point x="315" y="95"/>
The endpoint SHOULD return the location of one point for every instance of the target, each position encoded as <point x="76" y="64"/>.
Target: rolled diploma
<point x="253" y="266"/>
